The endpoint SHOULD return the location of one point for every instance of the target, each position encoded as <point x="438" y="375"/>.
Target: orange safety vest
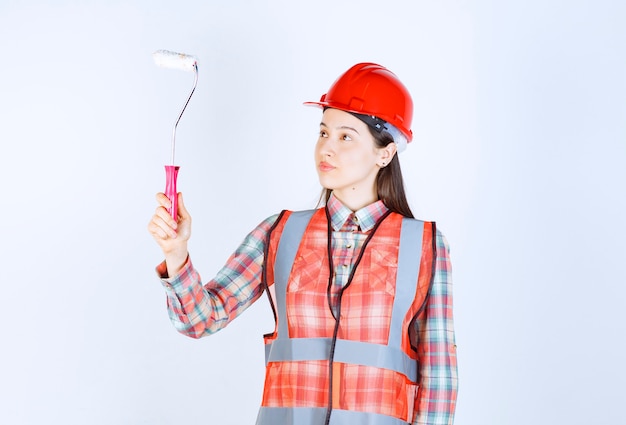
<point x="361" y="368"/>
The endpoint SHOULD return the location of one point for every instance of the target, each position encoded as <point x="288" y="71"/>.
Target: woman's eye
<point x="323" y="133"/>
<point x="346" y="138"/>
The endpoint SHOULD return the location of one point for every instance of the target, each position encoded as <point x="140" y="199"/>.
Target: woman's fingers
<point x="162" y="210"/>
<point x="171" y="235"/>
<point x="164" y="228"/>
<point x="163" y="200"/>
<point x="161" y="225"/>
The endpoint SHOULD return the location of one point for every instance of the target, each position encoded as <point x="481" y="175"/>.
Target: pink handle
<point x="171" y="173"/>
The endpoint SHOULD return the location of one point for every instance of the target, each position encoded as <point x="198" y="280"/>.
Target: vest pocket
<point x="312" y="270"/>
<point x="383" y="267"/>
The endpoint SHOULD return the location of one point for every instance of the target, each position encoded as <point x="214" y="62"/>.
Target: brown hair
<point x="389" y="181"/>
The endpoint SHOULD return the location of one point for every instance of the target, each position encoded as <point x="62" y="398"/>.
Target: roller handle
<point x="171" y="174"/>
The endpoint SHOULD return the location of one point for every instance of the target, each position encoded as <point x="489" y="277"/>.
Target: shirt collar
<point x="365" y="217"/>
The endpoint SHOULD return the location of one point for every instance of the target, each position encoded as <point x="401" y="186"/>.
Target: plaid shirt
<point x="197" y="310"/>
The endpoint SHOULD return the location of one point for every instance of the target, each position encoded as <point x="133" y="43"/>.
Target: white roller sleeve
<point x="167" y="59"/>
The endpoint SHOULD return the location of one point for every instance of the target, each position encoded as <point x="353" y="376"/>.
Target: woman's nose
<point x="326" y="146"/>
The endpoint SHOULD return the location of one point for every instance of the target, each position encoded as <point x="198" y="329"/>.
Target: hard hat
<point x="371" y="89"/>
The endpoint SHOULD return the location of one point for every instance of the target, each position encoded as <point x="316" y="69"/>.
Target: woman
<point x="361" y="292"/>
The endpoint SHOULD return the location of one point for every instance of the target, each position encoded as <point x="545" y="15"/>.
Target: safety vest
<point x="360" y="368"/>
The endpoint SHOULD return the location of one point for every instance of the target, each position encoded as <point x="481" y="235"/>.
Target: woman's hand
<point x="170" y="235"/>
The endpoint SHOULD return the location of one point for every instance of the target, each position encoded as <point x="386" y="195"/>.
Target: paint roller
<point x="173" y="60"/>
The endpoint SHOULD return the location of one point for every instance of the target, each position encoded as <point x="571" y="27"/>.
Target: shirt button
<point x="345" y="266"/>
<point x="349" y="246"/>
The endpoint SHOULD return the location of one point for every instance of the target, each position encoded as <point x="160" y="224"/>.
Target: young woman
<point x="361" y="291"/>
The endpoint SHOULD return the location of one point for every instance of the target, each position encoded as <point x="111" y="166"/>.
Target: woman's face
<point x="347" y="158"/>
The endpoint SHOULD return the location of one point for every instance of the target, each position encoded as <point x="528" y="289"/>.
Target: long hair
<point x="389" y="181"/>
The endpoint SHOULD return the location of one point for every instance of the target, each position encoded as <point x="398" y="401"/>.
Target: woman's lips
<point x="325" y="166"/>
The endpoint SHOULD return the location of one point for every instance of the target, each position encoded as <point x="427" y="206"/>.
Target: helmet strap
<point x="379" y="125"/>
<point x="374" y="122"/>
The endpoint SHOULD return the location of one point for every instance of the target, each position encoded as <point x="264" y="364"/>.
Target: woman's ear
<point x="386" y="154"/>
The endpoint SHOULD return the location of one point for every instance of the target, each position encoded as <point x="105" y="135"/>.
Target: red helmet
<point x="371" y="89"/>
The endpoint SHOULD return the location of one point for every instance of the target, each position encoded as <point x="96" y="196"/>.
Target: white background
<point x="519" y="155"/>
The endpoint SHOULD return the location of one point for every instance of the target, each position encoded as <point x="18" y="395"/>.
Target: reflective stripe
<point x="341" y="417"/>
<point x="409" y="255"/>
<point x="354" y="352"/>
<point x="316" y="416"/>
<point x="285" y="254"/>
<point x="291" y="416"/>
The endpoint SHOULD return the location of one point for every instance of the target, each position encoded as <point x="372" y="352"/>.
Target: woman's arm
<point x="198" y="310"/>
<point x="436" y="398"/>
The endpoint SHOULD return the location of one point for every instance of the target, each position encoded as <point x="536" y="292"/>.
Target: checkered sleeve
<point x="436" y="398"/>
<point x="197" y="310"/>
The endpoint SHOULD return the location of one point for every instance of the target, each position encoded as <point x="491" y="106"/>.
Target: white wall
<point x="519" y="154"/>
